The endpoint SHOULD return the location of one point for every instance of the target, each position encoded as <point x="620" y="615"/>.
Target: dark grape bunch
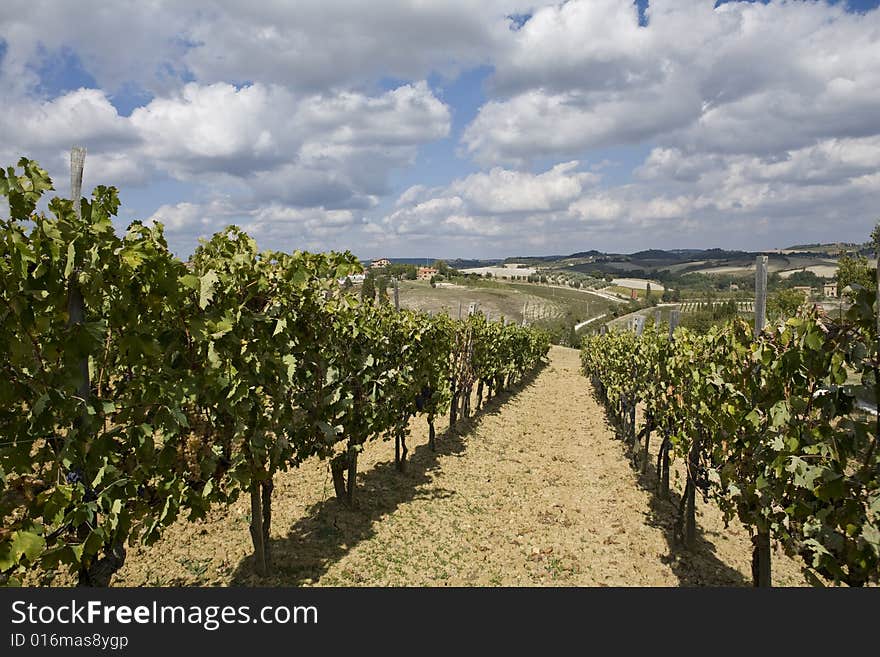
<point x="74" y="476"/>
<point x="423" y="397"/>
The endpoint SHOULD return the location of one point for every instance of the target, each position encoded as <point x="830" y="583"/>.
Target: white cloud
<point x="258" y="128"/>
<point x="502" y="191"/>
<point x="197" y="217"/>
<point x="496" y="204"/>
<point x="311" y="45"/>
<point x="273" y="225"/>
<point x="258" y="143"/>
<point x="315" y="44"/>
<point x="84" y="115"/>
<point x="677" y="200"/>
<point x="46" y="130"/>
<point x="138" y="41"/>
<point x="584" y="74"/>
<point x="215" y="128"/>
<point x="761" y="120"/>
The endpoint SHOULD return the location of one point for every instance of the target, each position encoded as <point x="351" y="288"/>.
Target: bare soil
<point x="534" y="490"/>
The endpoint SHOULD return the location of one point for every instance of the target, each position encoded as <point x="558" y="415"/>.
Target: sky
<point x="463" y="128"/>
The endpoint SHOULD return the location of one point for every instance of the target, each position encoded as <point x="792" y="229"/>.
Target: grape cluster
<point x="423" y="398"/>
<point x="74" y="476"/>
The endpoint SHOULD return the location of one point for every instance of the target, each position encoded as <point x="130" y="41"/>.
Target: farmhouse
<point x="830" y="289"/>
<point x="380" y="263"/>
<point x="425" y="273"/>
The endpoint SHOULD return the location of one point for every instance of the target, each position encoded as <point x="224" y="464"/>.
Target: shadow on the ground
<point x="329" y="530"/>
<point x="699" y="566"/>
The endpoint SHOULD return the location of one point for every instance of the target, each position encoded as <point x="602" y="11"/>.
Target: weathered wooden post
<point x="760" y="293"/>
<point x="674" y="316"/>
<point x="396" y="293"/>
<point x="639" y="324"/>
<point x="75" y="306"/>
<point x="761" y="574"/>
<point x="877" y="255"/>
<point x="663" y="456"/>
<point x="100" y="570"/>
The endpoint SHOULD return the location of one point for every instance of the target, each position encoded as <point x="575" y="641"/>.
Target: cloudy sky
<point x="471" y="128"/>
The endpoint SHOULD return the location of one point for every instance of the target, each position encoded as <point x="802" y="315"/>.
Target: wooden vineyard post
<point x="639" y="324"/>
<point x="760" y="293"/>
<point x="396" y="293"/>
<point x="76" y="310"/>
<point x="77" y="164"/>
<point x="761" y="567"/>
<point x="663" y="456"/>
<point x="674" y="316"/>
<point x="100" y="570"/>
<point x="639" y="328"/>
<point x="648" y="428"/>
<point x="876" y="368"/>
<point x="76" y="313"/>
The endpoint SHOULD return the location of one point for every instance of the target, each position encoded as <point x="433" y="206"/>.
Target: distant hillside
<point x="403" y="261"/>
<point x="664" y="262"/>
<point x="655" y="254"/>
<point x="464" y="263"/>
<point x="585" y="254"/>
<point x="711" y="254"/>
<point x="827" y="249"/>
<point x="534" y="260"/>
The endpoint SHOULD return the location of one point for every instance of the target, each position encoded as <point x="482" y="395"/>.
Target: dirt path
<point x="533" y="491"/>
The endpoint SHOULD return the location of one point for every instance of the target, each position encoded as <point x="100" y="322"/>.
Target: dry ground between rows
<point x="535" y="490"/>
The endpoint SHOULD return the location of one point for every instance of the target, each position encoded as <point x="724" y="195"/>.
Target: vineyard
<point x="143" y="397"/>
<point x="139" y="389"/>
<point x="694" y="306"/>
<point x="770" y="428"/>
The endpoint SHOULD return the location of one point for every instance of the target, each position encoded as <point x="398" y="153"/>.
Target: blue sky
<point x="460" y="129"/>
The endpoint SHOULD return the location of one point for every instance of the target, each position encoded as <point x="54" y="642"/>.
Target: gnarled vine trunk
<point x="761" y="575"/>
<point x="100" y="571"/>
<point x="261" y="522"/>
<point x="343" y="467"/>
